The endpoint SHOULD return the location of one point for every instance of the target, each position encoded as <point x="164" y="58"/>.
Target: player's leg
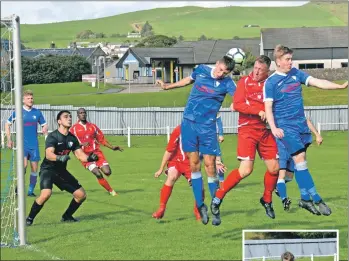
<point x="219" y="159"/>
<point x="34" y="165"/>
<point x="166" y="190"/>
<point x="93" y="167"/>
<point x="268" y="151"/>
<point x="190" y="146"/>
<point x="46" y="182"/>
<point x="70" y="184"/>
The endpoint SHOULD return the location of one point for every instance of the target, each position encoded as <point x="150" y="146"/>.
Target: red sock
<point x="270" y="180"/>
<point x="104" y="183"/>
<point x="165" y="194"/>
<point x="230" y="182"/>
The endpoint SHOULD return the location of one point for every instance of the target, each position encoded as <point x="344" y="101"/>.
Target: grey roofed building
<point x="209" y="51"/>
<point x="314" y="47"/>
<point x="306" y="37"/>
<point x="46" y="51"/>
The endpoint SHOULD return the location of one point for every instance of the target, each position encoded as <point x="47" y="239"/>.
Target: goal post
<point x="13" y="231"/>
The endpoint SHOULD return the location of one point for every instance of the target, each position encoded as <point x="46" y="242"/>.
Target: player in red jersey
<point x="252" y="135"/>
<point x="177" y="165"/>
<point x="90" y="138"/>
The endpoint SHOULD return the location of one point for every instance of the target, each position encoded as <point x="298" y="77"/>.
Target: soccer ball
<point x="237" y="54"/>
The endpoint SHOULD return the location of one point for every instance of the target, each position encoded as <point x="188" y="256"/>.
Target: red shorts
<point x="250" y="140"/>
<point x="99" y="163"/>
<point x="183" y="169"/>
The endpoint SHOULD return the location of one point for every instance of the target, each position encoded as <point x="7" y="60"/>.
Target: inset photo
<point x="290" y="245"/>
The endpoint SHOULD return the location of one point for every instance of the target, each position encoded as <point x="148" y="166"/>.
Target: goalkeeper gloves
<point x="62" y="158"/>
<point x="92" y="157"/>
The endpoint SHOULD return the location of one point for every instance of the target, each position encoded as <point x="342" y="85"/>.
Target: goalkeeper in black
<point x="53" y="169"/>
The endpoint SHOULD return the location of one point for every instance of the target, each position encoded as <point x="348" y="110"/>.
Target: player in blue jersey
<point x="285" y="114"/>
<point x="198" y="127"/>
<point x="31" y="118"/>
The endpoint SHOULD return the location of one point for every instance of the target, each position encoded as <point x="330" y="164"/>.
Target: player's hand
<point x="278" y="133"/>
<point x="117" y="148"/>
<point x="158" y="173"/>
<point x="9" y="144"/>
<point x="63" y="158"/>
<point x="220" y="167"/>
<point x="92" y="157"/>
<point x="85" y="144"/>
<point x="232" y="107"/>
<point x="319" y="139"/>
<point x="161" y="83"/>
<point x="220" y="139"/>
<point x="262" y="115"/>
<point x="344" y="85"/>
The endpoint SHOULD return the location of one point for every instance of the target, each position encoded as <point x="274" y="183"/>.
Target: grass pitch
<point x="122" y="228"/>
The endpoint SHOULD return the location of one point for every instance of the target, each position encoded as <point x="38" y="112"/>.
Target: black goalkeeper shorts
<point x="61" y="178"/>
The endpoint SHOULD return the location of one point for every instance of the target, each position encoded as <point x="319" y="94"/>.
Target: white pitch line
<point x="38" y="250"/>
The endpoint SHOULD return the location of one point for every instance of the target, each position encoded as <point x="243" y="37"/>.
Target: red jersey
<point x="90" y="133"/>
<point x="174" y="146"/>
<point x="248" y="101"/>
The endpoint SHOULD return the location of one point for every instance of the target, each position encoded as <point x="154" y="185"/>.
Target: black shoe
<point x="323" y="208"/>
<point x="31" y="194"/>
<point x="29" y="221"/>
<point x="277" y="192"/>
<point x="203" y="213"/>
<point x="216" y="221"/>
<point x="309" y="205"/>
<point x="286" y="203"/>
<point x="69" y="219"/>
<point x="268" y="208"/>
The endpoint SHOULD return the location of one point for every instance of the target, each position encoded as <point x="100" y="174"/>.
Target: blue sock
<point x="306" y="184"/>
<point x="33" y="180"/>
<point x="281" y="187"/>
<point x="212" y="185"/>
<point x="197" y="186"/>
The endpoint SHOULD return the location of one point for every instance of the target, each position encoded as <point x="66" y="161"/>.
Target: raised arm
<point x="184" y="82"/>
<point x="326" y="85"/>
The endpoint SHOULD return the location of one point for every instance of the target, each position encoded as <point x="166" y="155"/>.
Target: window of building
<point x="311" y="66"/>
<point x="344" y="65"/>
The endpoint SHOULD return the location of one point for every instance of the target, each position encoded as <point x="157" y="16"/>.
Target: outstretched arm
<point x="108" y="145"/>
<point x="327" y="85"/>
<point x="184" y="82"/>
<point x="8" y="134"/>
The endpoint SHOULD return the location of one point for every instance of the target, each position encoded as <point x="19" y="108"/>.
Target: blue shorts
<point x="32" y="154"/>
<point x="199" y="137"/>
<point x="294" y="141"/>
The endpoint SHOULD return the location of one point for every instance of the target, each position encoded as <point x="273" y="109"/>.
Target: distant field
<point x="224" y="23"/>
<point x="57" y="94"/>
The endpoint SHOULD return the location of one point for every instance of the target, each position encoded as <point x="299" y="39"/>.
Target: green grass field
<point x="121" y="228"/>
<point x="175" y="21"/>
<point x="44" y="94"/>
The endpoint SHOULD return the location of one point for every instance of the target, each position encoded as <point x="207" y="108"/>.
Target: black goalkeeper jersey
<point x="63" y="145"/>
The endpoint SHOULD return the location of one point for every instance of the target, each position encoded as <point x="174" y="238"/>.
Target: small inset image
<point x="290" y="245"/>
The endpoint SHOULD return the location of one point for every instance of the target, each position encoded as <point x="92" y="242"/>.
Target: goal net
<point x="10" y="77"/>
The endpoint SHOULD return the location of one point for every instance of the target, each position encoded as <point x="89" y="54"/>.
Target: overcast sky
<point x="51" y="11"/>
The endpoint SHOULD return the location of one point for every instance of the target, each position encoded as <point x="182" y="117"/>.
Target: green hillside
<point x="190" y="22"/>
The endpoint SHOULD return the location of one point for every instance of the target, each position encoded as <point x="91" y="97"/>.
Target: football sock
<point x="213" y="184"/>
<point x="281" y="187"/>
<point x="73" y="206"/>
<point x="220" y="176"/>
<point x="165" y="194"/>
<point x="104" y="183"/>
<point x="306" y="185"/>
<point x="230" y="182"/>
<point x="197" y="186"/>
<point x="35" y="209"/>
<point x="32" y="182"/>
<point x="270" y="180"/>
